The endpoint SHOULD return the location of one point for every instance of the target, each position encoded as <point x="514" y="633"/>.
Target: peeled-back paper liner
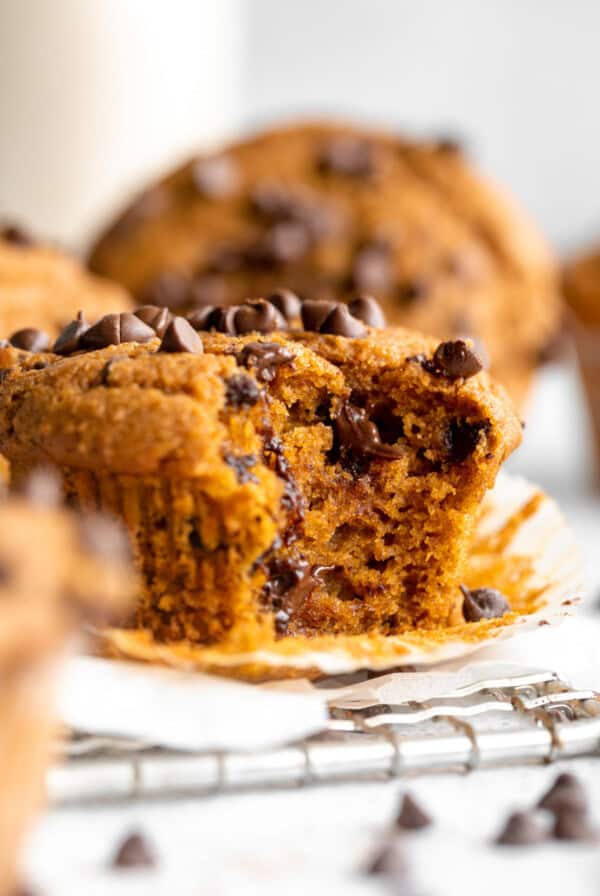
<point x="522" y="546"/>
<point x="522" y="542"/>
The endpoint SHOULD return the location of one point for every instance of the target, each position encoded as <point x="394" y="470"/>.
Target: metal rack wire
<point x="531" y="718"/>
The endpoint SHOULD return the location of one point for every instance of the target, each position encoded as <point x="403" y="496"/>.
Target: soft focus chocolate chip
<point x="358" y="434"/>
<point x="169" y="290"/>
<point x="272" y="200"/>
<point x="287" y="303"/>
<point x="448" y="145"/>
<point x="242" y="464"/>
<point x="566" y="794"/>
<point x="180" y="336"/>
<point x="17" y="236"/>
<point x="412" y="291"/>
<point x="340" y="322"/>
<point x="30" y="340"/>
<point x="42" y="487"/>
<point x="411" y="816"/>
<point x="204" y="318"/>
<point x="265" y="358"/>
<point x="104" y="537"/>
<point x="241" y="391"/>
<point x="313" y="313"/>
<point x="113" y="329"/>
<point x="367" y="309"/>
<point x="348" y="156"/>
<point x="207" y="289"/>
<point x="69" y="339"/>
<point x="462" y="438"/>
<point x="134" y="852"/>
<point x="390" y="861"/>
<point x="258" y="316"/>
<point x="521" y="829"/>
<point x="284" y="243"/>
<point x="456" y="359"/>
<point x="483" y="603"/>
<point x="226" y="258"/>
<point x="157" y="318"/>
<point x="574" y="826"/>
<point x="372" y="267"/>
<point x="215" y="177"/>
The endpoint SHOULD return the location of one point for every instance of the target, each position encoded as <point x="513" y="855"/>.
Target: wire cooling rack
<point x="531" y="718"/>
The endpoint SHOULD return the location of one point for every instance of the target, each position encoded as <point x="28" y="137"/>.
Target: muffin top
<point x="331" y="210"/>
<point x="39" y="283"/>
<point x="58" y="569"/>
<point x="146" y="392"/>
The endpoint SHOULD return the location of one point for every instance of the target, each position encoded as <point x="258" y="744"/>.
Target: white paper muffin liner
<point x="521" y="533"/>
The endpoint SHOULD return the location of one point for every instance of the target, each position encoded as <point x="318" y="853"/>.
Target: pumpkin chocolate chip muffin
<point x="283" y="468"/>
<point x="331" y="210"/>
<point x="56" y="569"/>
<point x="39" y="283"/>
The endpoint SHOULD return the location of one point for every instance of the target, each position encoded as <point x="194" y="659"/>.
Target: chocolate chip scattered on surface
<point x="456" y="360"/>
<point x="30" y="340"/>
<point x="483" y="603"/>
<point x="521" y="829"/>
<point x="566" y="794"/>
<point x="134" y="852"/>
<point x="69" y="340"/>
<point x="155" y="317"/>
<point x="411" y="816"/>
<point x="114" y="329"/>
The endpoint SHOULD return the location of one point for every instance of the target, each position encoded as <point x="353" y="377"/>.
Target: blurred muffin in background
<point x="581" y="287"/>
<point x="57" y="569"/>
<point x="333" y="211"/>
<point x="39" y="283"/>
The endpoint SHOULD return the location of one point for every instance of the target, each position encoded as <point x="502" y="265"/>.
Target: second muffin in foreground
<point x="275" y="482"/>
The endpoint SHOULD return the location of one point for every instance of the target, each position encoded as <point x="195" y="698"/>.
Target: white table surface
<point x="317" y="839"/>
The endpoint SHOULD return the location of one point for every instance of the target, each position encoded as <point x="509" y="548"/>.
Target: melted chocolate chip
<point x="70" y="338"/>
<point x="104" y="537"/>
<point x="289" y="583"/>
<point x="521" y="829"/>
<point x="348" y="156"/>
<point x="368" y="310"/>
<point x="411" y="817"/>
<point x="134" y="852"/>
<point x="30" y="340"/>
<point x="340" y="322"/>
<point x="292" y="501"/>
<point x="17" y="236"/>
<point x="113" y="329"/>
<point x="372" y="267"/>
<point x="455" y="359"/>
<point x="241" y="464"/>
<point x="287" y="303"/>
<point x="180" y="336"/>
<point x="313" y="313"/>
<point x="565" y="795"/>
<point x="483" y="603"/>
<point x="215" y="177"/>
<point x="258" y="316"/>
<point x="169" y="290"/>
<point x="157" y="318"/>
<point x="241" y="391"/>
<point x="462" y="438"/>
<point x="265" y="358"/>
<point x="359" y="436"/>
